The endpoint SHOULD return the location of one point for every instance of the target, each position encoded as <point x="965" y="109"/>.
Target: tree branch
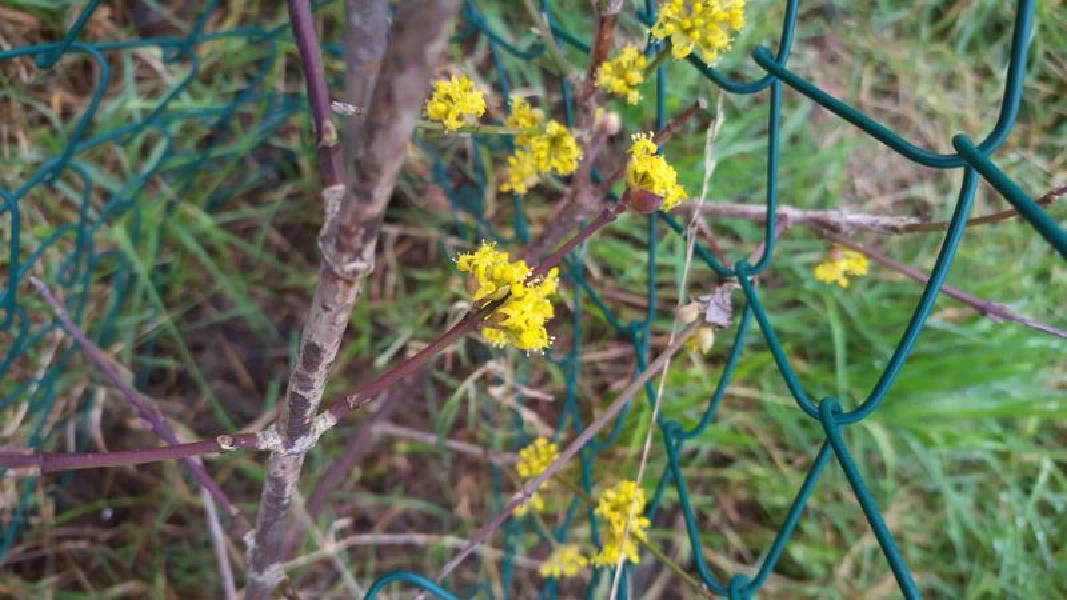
<point x="480" y="537"/>
<point x="348" y="241"/>
<point x="271" y="439"/>
<point x="144" y="406"/>
<point x="365" y="36"/>
<point x="994" y="310"/>
<point x="841" y="221"/>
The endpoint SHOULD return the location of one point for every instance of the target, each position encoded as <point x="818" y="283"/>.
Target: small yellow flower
<point x="701" y="341"/>
<point x="536" y="504"/>
<point x="840" y="262"/>
<point x="523" y="116"/>
<point x="614" y="506"/>
<point x="649" y="171"/>
<point x="565" y="561"/>
<point x="533" y="460"/>
<point x="706" y="26"/>
<point x="536" y="457"/>
<point x="520" y="320"/>
<point x="522" y="172"/>
<point x="555" y="150"/>
<point x="455" y="100"/>
<point x="612" y="550"/>
<point x="542" y="148"/>
<point x="493" y="273"/>
<point x="622" y="74"/>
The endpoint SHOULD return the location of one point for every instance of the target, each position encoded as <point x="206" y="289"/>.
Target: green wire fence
<point x="180" y="156"/>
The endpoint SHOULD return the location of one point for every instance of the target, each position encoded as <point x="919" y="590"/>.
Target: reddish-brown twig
<point x="144" y="407"/>
<point x="993" y="310"/>
<point x="416" y="44"/>
<point x="842" y="221"/>
<point x="269" y="440"/>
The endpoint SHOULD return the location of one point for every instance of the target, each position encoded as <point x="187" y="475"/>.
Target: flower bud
<point x="642" y="201"/>
<point x="689" y="313"/>
<point x="705" y="339"/>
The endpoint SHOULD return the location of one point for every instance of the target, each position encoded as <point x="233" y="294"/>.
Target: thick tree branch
<point x="365" y="35"/>
<point x="348" y="241"/>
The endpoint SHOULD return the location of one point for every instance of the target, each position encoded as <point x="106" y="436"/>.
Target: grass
<point x="197" y="282"/>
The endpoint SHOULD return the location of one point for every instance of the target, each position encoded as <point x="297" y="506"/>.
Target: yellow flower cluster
<point x="522" y="172"/>
<point x="533" y="460"/>
<point x="564" y="561"/>
<point x="840" y="262"/>
<point x="649" y="171"/>
<point x="494" y="274"/>
<point x="614" y="506"/>
<point x="455" y="100"/>
<point x="520" y="320"/>
<point x="542" y="148"/>
<point x="523" y="116"/>
<point x="622" y="74"/>
<point x="702" y="25"/>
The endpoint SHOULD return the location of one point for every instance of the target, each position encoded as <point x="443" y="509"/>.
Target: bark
<point x="366" y="33"/>
<point x="348" y="241"/>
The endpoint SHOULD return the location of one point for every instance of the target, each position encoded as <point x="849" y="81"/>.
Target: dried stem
<point x="406" y="539"/>
<point x="348" y="241"/>
<point x="218" y="540"/>
<point x="406" y="433"/>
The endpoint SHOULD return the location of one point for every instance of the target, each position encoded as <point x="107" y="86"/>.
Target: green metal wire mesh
<point x="187" y="140"/>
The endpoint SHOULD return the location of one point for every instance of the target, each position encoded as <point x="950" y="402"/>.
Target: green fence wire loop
<point x="183" y="159"/>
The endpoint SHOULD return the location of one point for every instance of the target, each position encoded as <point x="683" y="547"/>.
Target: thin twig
<point x="218" y="540"/>
<point x="994" y="310"/>
<point x="144" y="407"/>
<point x="405" y="539"/>
<point x="841" y="221"/>
<point x="569" y="453"/>
<point x="602" y="44"/>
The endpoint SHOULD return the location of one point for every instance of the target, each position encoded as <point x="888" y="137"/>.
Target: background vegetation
<point x="966" y="456"/>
